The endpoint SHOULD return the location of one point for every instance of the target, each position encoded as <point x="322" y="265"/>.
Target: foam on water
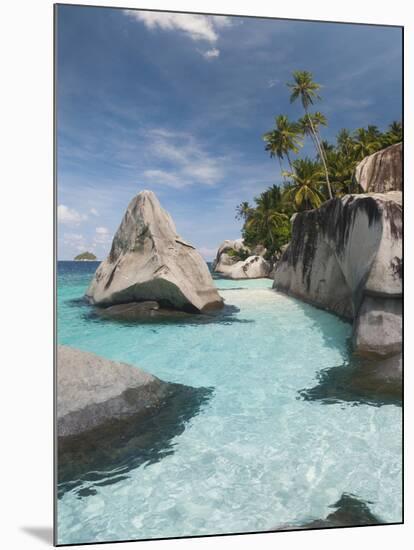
<point x="256" y="455"/>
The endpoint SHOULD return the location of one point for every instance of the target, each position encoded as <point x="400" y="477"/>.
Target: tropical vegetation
<point x="307" y="182"/>
<point x="85" y="256"/>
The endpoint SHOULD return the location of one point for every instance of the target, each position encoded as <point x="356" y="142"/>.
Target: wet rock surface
<point x="143" y="312"/>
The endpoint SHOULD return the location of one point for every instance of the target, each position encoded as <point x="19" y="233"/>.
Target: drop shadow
<point x="44" y="534"/>
<point x="104" y="456"/>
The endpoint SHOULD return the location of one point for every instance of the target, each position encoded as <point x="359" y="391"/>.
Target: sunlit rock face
<point x="93" y="391"/>
<point x="225" y="257"/>
<point x="346" y="257"/>
<point x="382" y="171"/>
<point x="150" y="261"/>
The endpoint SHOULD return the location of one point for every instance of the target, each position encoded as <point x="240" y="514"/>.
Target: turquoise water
<point x="256" y="455"/>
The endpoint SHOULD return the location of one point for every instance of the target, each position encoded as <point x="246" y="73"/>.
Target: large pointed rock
<point x="150" y="261"/>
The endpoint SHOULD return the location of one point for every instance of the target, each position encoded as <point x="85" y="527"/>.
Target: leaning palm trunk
<point x="289" y="161"/>
<point x="281" y="169"/>
<point x="321" y="154"/>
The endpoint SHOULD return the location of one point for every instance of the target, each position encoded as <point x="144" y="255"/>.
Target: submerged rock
<point x="382" y="171"/>
<point x="113" y="417"/>
<point x="150" y="261"/>
<point x="235" y="260"/>
<point x="350" y="512"/>
<point x="93" y="392"/>
<point x="346" y="257"/>
<point x="142" y="311"/>
<point x="361" y="381"/>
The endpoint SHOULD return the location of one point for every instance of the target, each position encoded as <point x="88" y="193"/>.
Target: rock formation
<point x="235" y="260"/>
<point x="382" y="171"/>
<point x="93" y="391"/>
<point x="229" y="253"/>
<point x="346" y="257"/>
<point x="150" y="261"/>
<point x="112" y="417"/>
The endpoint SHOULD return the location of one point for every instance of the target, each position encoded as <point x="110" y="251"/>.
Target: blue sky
<point x="178" y="104"/>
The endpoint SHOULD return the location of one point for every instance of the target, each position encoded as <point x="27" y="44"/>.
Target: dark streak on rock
<point x="397" y="267"/>
<point x="332" y="221"/>
<point x="393" y="213"/>
<point x="111" y="277"/>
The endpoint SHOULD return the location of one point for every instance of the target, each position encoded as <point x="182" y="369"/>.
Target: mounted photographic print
<point x="229" y="274"/>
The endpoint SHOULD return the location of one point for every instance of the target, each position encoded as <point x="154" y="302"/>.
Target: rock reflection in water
<point x="365" y="381"/>
<point x="350" y="512"/>
<point x="105" y="455"/>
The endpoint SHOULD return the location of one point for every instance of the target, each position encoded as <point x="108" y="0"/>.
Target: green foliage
<point x="306" y="189"/>
<point x="268" y="222"/>
<point x="304" y="88"/>
<point x="283" y="139"/>
<point x="307" y="183"/>
<point x="242" y="254"/>
<point x="85" y="256"/>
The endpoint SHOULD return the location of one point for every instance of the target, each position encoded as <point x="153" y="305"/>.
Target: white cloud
<point x="69" y="216"/>
<point x="272" y="82"/>
<point x="188" y="163"/>
<point x="197" y="27"/>
<point x="210" y="54"/>
<point x="102" y="230"/>
<point x="94" y="211"/>
<point x="102" y="236"/>
<point x="75" y="242"/>
<point x="163" y="177"/>
<point x="72" y="237"/>
<point x="357" y="103"/>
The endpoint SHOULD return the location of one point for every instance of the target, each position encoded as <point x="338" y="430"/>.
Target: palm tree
<point x="366" y="142"/>
<point x="243" y="211"/>
<point x="306" y="89"/>
<point x="265" y="220"/>
<point x="345" y="142"/>
<point x="283" y="139"/>
<point x="306" y="178"/>
<point x="341" y="168"/>
<point x="394" y="134"/>
<point x="310" y="124"/>
<point x="275" y="196"/>
<point x="306" y="129"/>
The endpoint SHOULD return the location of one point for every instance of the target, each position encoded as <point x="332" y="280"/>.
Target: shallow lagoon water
<point x="256" y="455"/>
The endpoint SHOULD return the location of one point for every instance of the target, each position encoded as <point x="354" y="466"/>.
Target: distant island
<point x="85" y="257"/>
